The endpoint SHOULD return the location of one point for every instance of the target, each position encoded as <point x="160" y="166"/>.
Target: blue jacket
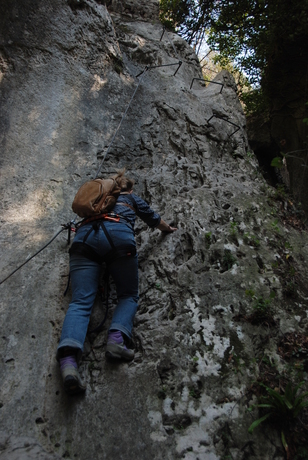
<point x="150" y="217"/>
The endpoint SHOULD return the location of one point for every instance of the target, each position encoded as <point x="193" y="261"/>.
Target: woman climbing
<point x="110" y="239"/>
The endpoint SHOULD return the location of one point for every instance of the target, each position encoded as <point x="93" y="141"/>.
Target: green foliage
<point x="249" y="293"/>
<point x="301" y="453"/>
<point x="274" y="226"/>
<point x="238" y="364"/>
<point x="290" y="289"/>
<point x="251" y="32"/>
<point x="162" y="393"/>
<point x="284" y="407"/>
<point x="262" y="308"/>
<point x="251" y="240"/>
<point x="280" y="192"/>
<point x="228" y="259"/>
<point x="234" y="232"/>
<point x="174" y="13"/>
<point x="194" y="394"/>
<point x="279" y="162"/>
<point x="208" y="239"/>
<point x="254" y="102"/>
<point x="188" y="17"/>
<point x="247" y="32"/>
<point x="158" y="286"/>
<point x="233" y="228"/>
<point x="269" y="361"/>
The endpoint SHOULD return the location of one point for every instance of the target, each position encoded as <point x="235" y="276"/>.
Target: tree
<point x="251" y="33"/>
<point x="189" y="18"/>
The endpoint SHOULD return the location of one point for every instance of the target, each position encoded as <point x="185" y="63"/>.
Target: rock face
<point x="68" y="73"/>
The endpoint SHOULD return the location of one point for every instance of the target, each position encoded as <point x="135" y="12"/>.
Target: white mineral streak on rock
<point x="206" y="328"/>
<point x="199" y="435"/>
<point x="158" y="433"/>
<point x="231" y="247"/>
<point x="234" y="269"/>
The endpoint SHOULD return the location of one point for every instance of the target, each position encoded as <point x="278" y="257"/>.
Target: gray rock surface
<point x="23" y="448"/>
<point x="68" y="73"/>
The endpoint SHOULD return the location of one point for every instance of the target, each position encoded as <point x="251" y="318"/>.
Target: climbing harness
<point x="116" y="252"/>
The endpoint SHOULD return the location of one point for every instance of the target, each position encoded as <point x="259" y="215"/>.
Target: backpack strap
<point x="111" y="216"/>
<point x="133" y="206"/>
<point x="128" y="205"/>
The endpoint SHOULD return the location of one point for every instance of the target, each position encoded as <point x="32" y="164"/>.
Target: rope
<point x="124" y="115"/>
<point x="174" y="49"/>
<point x="30" y="258"/>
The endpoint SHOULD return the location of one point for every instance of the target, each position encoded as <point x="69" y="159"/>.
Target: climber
<point x="100" y="236"/>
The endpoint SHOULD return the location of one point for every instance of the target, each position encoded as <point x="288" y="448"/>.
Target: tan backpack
<point x="95" y="197"/>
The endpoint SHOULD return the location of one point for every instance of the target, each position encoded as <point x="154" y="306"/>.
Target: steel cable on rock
<point x="37" y="252"/>
<point x="119" y="125"/>
<point x="172" y="44"/>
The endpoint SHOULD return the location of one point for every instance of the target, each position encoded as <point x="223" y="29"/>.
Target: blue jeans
<point x="85" y="275"/>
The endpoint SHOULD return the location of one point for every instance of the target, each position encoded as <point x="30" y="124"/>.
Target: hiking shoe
<point x="116" y="348"/>
<point x="72" y="381"/>
<point x="70" y="375"/>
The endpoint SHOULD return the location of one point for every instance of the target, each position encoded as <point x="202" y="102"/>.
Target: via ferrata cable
<point x="37" y="252"/>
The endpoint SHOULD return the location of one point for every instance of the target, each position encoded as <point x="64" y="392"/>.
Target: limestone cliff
<point x="68" y="73"/>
